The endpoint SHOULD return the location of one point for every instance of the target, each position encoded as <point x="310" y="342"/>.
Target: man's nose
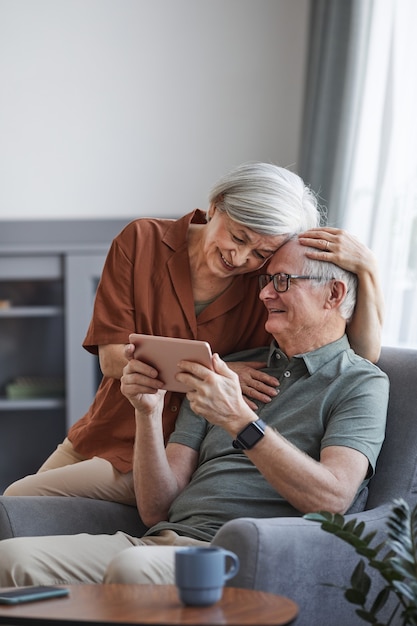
<point x="268" y="292"/>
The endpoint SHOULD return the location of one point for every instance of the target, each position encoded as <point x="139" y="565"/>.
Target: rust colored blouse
<point x="146" y="288"/>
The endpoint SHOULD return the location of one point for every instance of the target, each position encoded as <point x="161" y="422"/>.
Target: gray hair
<point x="268" y="199"/>
<point x="329" y="271"/>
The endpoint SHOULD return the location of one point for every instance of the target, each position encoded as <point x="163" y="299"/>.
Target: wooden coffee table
<point x="150" y="604"/>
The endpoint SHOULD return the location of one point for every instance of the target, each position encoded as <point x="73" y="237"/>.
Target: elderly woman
<point x="196" y="278"/>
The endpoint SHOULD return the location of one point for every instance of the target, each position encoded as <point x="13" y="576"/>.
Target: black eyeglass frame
<point x="287" y="277"/>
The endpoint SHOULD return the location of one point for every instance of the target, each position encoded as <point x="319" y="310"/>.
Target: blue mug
<point x="200" y="573"/>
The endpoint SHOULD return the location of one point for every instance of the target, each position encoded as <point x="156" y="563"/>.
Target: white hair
<point x="268" y="199"/>
<point x="329" y="271"/>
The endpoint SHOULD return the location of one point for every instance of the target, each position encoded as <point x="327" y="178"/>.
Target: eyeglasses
<point x="282" y="281"/>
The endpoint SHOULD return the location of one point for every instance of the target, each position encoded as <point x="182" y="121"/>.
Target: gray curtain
<point x="339" y="32"/>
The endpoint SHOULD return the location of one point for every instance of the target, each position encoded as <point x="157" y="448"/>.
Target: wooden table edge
<point x="89" y="604"/>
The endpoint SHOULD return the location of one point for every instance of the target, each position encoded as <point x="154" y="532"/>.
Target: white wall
<point x="114" y="108"/>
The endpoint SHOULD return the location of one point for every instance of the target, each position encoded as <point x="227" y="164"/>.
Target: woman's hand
<point x="340" y="247"/>
<point x="254" y="383"/>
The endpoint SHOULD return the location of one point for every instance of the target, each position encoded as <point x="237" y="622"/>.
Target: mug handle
<point x="234" y="565"/>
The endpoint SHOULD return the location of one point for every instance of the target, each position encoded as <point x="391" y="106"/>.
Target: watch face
<point x="251" y="435"/>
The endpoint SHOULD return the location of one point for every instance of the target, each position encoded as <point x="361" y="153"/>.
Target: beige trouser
<point x="70" y="559"/>
<point x="66" y="473"/>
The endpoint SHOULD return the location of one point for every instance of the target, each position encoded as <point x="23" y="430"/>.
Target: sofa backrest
<point x="396" y="470"/>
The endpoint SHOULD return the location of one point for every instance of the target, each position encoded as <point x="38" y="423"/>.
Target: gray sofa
<point x="287" y="556"/>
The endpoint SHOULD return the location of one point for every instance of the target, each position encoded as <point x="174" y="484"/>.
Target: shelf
<point x="31" y="311"/>
<point x="31" y="404"/>
<point x="49" y="272"/>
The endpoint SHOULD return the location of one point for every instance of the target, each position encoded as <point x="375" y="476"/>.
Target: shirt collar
<point x="315" y="359"/>
<point x="176" y="234"/>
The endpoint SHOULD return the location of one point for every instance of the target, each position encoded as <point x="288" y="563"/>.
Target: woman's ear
<point x="211" y="211"/>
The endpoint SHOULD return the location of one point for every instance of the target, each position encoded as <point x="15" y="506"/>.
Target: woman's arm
<point x="340" y="247"/>
<point x="113" y="358"/>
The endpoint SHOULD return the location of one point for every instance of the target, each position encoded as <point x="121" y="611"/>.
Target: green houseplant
<point x="395" y="559"/>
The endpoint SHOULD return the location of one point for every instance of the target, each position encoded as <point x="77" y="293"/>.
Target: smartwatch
<point x="250" y="435"/>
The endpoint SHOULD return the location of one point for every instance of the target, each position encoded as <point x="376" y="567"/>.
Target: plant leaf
<point x="404" y="567"/>
<point x="368" y="552"/>
<point x="355" y="597"/>
<point x="360" y="580"/>
<point x="359" y="528"/>
<point x="380" y="600"/>
<point x="330" y="527"/>
<point x="319" y="516"/>
<point x="368" y="538"/>
<point x="397" y="564"/>
<point x="407" y="591"/>
<point x="366" y="616"/>
<point x="350" y="526"/>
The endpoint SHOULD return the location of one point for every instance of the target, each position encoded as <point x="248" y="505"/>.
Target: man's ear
<point x="336" y="294"/>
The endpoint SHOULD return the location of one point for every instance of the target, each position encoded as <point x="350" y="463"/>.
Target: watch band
<point x="250" y="435"/>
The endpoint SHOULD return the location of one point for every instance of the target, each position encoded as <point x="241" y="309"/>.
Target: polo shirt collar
<point x="315" y="359"/>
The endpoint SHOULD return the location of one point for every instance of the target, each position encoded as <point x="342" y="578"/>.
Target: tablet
<point x="164" y="353"/>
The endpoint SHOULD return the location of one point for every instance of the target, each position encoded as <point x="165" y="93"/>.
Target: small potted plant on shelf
<point x="395" y="559"/>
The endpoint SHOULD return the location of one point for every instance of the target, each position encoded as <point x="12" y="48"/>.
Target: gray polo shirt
<point x="328" y="397"/>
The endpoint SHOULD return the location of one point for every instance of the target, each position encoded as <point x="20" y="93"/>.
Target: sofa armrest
<point x="294" y="557"/>
<point x="49" y="515"/>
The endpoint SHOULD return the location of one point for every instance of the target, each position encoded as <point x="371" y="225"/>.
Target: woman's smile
<point x="228" y="266"/>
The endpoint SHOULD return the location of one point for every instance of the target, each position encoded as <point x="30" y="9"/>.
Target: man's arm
<point x="159" y="473"/>
<point x="309" y="485"/>
<point x="329" y="484"/>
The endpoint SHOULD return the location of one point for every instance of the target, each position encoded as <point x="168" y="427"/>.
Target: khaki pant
<point x="70" y="559"/>
<point x="66" y="473"/>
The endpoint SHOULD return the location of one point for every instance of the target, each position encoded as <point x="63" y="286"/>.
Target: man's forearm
<point x="155" y="483"/>
<point x="309" y="485"/>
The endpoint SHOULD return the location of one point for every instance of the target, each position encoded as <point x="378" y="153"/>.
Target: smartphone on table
<point x="31" y="594"/>
<point x="164" y="353"/>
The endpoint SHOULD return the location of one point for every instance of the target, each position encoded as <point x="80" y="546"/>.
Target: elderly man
<point x="313" y="447"/>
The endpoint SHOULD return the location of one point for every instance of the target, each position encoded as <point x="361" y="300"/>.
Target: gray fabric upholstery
<point x="397" y="464"/>
<point x="296" y="558"/>
<point x="33" y="516"/>
<point x="287" y="556"/>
